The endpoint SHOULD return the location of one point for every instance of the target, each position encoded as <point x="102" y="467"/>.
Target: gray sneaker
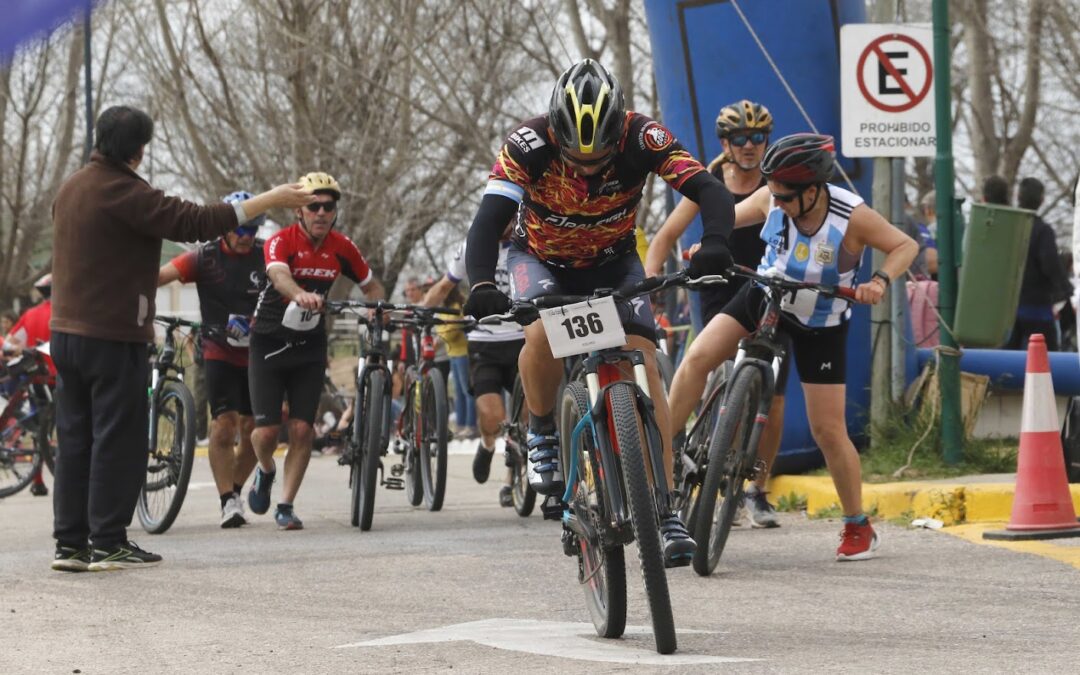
<point x="232" y="514"/>
<point x="761" y="512"/>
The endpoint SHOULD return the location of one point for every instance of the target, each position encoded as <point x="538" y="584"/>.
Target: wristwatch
<point x="883" y="276"/>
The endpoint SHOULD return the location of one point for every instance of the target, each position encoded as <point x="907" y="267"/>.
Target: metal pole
<point x="898" y="294"/>
<point x="883" y="11"/>
<point x="88" y="87"/>
<point x="948" y="355"/>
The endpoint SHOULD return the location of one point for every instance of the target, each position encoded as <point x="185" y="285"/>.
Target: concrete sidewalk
<point x="965" y="499"/>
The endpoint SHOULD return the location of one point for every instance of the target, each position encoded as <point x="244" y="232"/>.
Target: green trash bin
<point x="991" y="272"/>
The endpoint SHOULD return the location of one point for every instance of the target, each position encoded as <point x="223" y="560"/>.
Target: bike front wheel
<point x="601" y="570"/>
<point x="729" y="457"/>
<point x="168" y="468"/>
<point x="410" y="443"/>
<point x="366" y="461"/>
<point x="21" y="460"/>
<point x="628" y="439"/>
<point x="434" y="416"/>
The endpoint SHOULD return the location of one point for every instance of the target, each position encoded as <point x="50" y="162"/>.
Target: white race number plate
<point x="583" y="327"/>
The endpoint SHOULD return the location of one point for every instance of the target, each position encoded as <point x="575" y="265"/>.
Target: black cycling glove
<point x="712" y="258"/>
<point x="486" y="300"/>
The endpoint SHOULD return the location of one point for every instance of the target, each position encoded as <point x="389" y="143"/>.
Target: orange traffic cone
<point x="1042" y="505"/>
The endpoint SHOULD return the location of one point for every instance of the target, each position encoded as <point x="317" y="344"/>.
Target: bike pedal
<point x="397" y="470"/>
<point x="394" y="483"/>
<point x="570" y="545"/>
<point x="553" y="508"/>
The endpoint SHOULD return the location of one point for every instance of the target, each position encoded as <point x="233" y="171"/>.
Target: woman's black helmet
<point x="800" y="159"/>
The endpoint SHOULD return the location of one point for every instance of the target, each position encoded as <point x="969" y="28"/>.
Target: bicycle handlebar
<point x="175" y="321"/>
<point x="784" y="284"/>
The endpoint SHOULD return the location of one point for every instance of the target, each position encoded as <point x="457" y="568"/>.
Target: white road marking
<point x="550" y="638"/>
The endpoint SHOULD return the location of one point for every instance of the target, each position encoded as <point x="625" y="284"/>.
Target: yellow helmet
<point x="743" y="115"/>
<point x="317" y="181"/>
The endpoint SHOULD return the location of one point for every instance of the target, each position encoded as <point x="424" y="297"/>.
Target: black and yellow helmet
<point x="743" y="115"/>
<point x="587" y="109"/>
<point x="319" y="182"/>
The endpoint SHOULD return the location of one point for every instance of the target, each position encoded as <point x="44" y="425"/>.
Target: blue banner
<point x="27" y="20"/>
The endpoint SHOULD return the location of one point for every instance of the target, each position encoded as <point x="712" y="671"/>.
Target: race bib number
<point x="803" y="304"/>
<point x="583" y="327"/>
<point x="299" y="319"/>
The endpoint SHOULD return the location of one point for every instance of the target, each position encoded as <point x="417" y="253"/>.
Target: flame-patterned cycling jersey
<point x="569" y="220"/>
<point x="313" y="269"/>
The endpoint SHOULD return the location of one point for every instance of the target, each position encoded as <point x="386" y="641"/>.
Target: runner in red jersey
<point x="288" y="341"/>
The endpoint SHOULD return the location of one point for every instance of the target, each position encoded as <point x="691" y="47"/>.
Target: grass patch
<point x="791" y="503"/>
<point x="892" y="440"/>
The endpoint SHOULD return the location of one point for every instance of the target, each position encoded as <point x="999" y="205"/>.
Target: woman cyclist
<point x="813" y="232"/>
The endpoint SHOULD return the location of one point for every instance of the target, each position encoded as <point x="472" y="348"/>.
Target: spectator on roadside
<point x="1045" y="282"/>
<point x="928" y="231"/>
<point x="995" y="190"/>
<point x="7" y="320"/>
<point x="108" y="226"/>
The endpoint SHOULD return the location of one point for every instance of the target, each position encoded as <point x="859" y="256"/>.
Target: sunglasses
<point x="585" y="162"/>
<point x="246" y="231"/>
<point x="787" y="197"/>
<point x="756" y="137"/>
<point x="329" y="207"/>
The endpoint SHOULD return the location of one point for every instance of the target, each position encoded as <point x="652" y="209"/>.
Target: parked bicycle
<point x="720" y="453"/>
<point x="25" y="420"/>
<point x="612" y="450"/>
<point x="172" y="432"/>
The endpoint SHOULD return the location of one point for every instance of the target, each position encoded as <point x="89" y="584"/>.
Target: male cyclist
<point x="577" y="174"/>
<point x="288" y="339"/>
<point x="493" y="363"/>
<point x="814" y="232"/>
<point x="31" y="330"/>
<point x="743" y="128"/>
<point x="228" y="273"/>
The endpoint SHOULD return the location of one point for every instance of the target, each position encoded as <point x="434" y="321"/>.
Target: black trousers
<point x="102" y="428"/>
<point x="1024" y="329"/>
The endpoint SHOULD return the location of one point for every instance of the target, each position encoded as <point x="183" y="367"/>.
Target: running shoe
<point x="481" y="464"/>
<point x="39" y="489"/>
<point x="122" y="557"/>
<point x="506" y="497"/>
<point x="71" y="558"/>
<point x="857" y="542"/>
<point x="259" y="495"/>
<point x="232" y="514"/>
<point x="286" y="518"/>
<point x="761" y="512"/>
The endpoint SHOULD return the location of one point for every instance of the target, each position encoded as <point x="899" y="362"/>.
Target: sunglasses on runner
<point x="329" y="207"/>
<point x="739" y="140"/>
<point x="246" y="231"/>
<point x="787" y="197"/>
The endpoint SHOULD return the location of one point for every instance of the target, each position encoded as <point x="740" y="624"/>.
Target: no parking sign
<point x="886" y="90"/>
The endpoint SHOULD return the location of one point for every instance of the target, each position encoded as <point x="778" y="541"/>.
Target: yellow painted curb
<point x="1056" y="549"/>
<point x="948" y="502"/>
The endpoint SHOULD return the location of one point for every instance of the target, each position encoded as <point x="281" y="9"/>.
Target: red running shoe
<point x="857" y="542"/>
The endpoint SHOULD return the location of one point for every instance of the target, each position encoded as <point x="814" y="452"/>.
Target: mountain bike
<point x="25" y="420"/>
<point x="612" y="454"/>
<point x="172" y="433"/>
<point x="721" y="450"/>
<point x="423" y="428"/>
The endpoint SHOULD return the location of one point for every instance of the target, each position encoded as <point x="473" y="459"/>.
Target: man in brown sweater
<point x="108" y="225"/>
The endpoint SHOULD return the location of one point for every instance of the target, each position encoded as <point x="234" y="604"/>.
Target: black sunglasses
<point x="329" y="207"/>
<point x="756" y="137"/>
<point x="246" y="231"/>
<point x="787" y="197"/>
<point x="585" y="162"/>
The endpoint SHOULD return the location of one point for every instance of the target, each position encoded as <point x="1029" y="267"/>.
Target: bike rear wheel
<point x="434" y="416"/>
<point x="602" y="569"/>
<point x="411" y="436"/>
<point x="168" y="468"/>
<point x="20" y="460"/>
<point x="697" y="445"/>
<point x="366" y="462"/>
<point x="628" y="439"/>
<point x="729" y="453"/>
<point x="516" y="438"/>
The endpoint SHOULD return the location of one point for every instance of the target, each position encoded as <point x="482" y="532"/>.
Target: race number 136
<point x="583" y="327"/>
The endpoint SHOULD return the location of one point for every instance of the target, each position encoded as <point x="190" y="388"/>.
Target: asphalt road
<point x="475" y="588"/>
